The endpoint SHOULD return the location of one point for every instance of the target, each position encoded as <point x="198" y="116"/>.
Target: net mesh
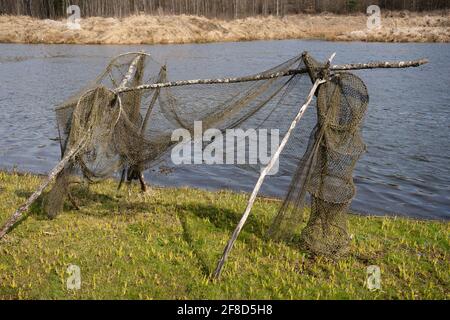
<point x="326" y="169"/>
<point x="126" y="133"/>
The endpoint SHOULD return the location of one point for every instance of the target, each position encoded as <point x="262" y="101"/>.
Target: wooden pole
<point x="131" y="70"/>
<point x="15" y="218"/>
<point x="123" y="85"/>
<point x="267" y="76"/>
<point x="152" y="103"/>
<point x="266" y="170"/>
<point x="264" y="173"/>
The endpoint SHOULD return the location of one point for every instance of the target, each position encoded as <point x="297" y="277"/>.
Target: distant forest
<point x="227" y="9"/>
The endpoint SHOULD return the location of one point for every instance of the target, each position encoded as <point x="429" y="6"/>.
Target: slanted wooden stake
<point x="264" y="173"/>
<point x="15" y="218"/>
<point x="266" y="170"/>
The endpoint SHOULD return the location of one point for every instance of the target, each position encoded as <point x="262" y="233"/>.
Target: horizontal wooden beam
<point x="267" y="76"/>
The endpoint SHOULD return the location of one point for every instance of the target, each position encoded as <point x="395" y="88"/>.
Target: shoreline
<point x="142" y="247"/>
<point x="261" y="197"/>
<point x="402" y="26"/>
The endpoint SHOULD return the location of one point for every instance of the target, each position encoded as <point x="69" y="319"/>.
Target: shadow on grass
<point x="187" y="236"/>
<point x="222" y="218"/>
<point x="105" y="205"/>
<point x="225" y="219"/>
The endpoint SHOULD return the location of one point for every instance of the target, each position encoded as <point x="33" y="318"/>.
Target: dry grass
<point x="143" y="29"/>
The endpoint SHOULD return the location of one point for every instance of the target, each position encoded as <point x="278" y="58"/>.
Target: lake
<point x="405" y="172"/>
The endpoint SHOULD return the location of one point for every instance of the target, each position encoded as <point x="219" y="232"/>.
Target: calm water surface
<point x="406" y="170"/>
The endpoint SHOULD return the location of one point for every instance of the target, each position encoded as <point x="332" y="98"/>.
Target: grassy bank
<point x="165" y="245"/>
<point x="142" y="29"/>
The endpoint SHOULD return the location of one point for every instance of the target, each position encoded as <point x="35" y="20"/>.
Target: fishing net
<point x="326" y="168"/>
<point x="123" y="123"/>
<point x="128" y="132"/>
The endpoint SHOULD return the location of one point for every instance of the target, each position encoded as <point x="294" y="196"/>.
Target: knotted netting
<point x="123" y="123"/>
<point x="127" y="125"/>
<point x="325" y="171"/>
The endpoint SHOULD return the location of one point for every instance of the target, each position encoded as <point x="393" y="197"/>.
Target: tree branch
<point x="267" y="76"/>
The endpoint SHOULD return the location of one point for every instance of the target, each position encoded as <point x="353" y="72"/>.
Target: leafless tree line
<point x="209" y="8"/>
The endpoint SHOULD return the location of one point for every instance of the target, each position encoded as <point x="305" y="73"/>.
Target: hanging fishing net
<point x="125" y="129"/>
<point x="123" y="124"/>
<point x="325" y="171"/>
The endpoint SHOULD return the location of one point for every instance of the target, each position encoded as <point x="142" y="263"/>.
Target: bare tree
<point x="228" y="9"/>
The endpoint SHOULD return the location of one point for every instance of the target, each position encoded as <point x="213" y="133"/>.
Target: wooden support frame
<point x="71" y="153"/>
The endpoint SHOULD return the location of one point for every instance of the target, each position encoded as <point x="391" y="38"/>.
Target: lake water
<point x="406" y="170"/>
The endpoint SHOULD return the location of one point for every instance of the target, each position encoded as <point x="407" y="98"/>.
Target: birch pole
<point x="15" y="218"/>
<point x="267" y="76"/>
<point x="131" y="71"/>
<point x="264" y="173"/>
<point x="123" y="86"/>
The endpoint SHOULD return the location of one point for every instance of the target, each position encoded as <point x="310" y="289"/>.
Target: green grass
<point x="165" y="245"/>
